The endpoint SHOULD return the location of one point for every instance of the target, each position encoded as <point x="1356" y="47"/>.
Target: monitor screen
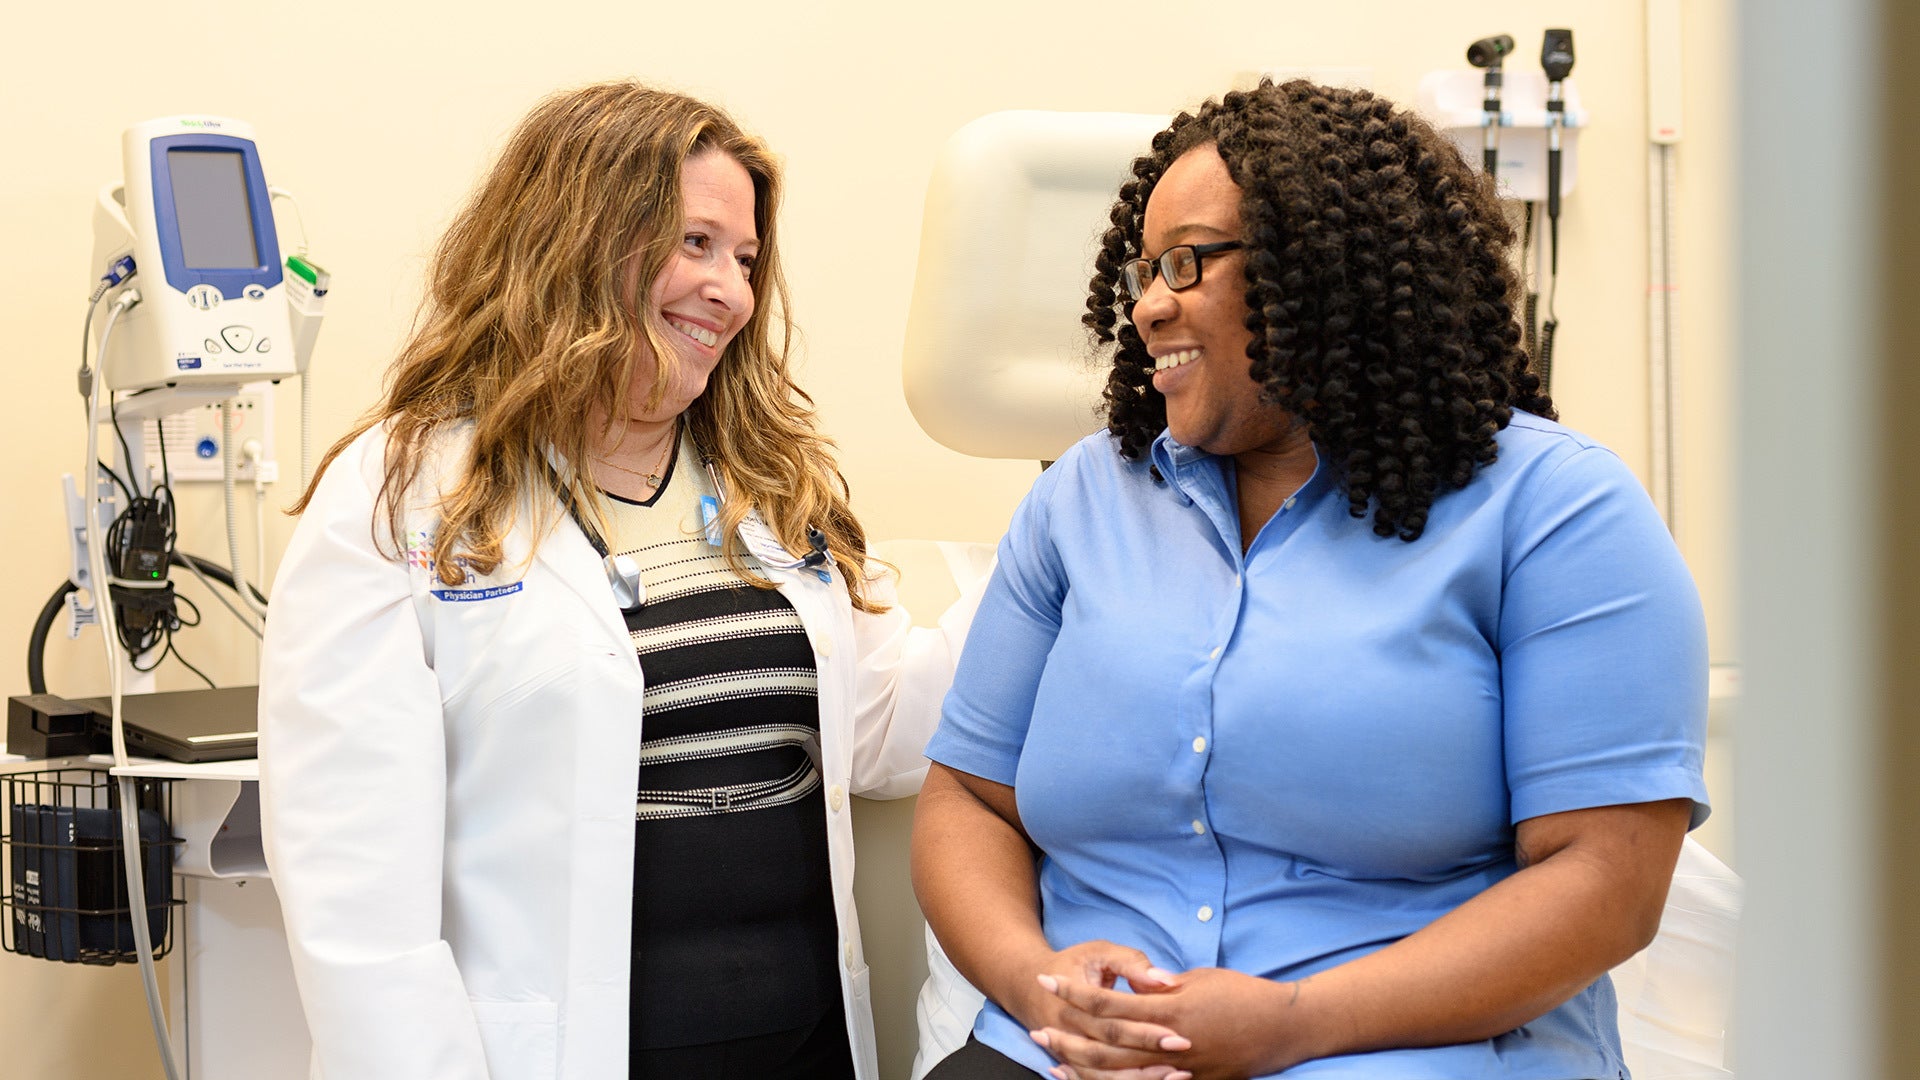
<point x="211" y="204"/>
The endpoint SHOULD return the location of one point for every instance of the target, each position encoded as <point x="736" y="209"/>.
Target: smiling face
<point x="704" y="294"/>
<point x="1198" y="336"/>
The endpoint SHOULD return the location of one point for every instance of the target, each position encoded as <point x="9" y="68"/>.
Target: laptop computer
<point x="183" y="725"/>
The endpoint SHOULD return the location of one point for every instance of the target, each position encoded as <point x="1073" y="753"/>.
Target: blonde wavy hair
<point x="530" y="325"/>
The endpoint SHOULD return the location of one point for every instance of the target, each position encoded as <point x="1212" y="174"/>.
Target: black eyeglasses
<point x="1180" y="266"/>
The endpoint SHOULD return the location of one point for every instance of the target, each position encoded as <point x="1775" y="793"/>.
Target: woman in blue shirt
<point x="1335" y="713"/>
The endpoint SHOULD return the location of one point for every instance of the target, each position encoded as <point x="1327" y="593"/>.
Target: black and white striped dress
<point x="734" y="933"/>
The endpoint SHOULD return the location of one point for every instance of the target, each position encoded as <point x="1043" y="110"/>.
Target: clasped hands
<point x="1202" y="1024"/>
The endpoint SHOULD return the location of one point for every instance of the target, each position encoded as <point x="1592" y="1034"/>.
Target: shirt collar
<point x="1170" y="456"/>
<point x="1176" y="460"/>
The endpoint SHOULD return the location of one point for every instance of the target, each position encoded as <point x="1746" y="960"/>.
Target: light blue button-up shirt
<point x="1281" y="761"/>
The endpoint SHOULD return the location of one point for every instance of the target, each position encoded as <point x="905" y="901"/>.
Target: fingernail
<point x="1180" y="1076"/>
<point x="1038" y="1036"/>
<point x="1163" y="976"/>
<point x="1050" y="984"/>
<point x="1057" y="1073"/>
<point x="1175" y="1042"/>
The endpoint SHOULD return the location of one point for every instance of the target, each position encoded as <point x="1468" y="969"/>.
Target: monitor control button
<point x="237" y="337"/>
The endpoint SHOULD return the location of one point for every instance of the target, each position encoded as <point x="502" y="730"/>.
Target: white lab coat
<point x="447" y="787"/>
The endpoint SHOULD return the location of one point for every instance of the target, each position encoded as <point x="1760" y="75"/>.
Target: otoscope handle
<point x="1490" y="139"/>
<point x="1553" y="186"/>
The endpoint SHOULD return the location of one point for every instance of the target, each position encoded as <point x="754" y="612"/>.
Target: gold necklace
<point x="653" y="480"/>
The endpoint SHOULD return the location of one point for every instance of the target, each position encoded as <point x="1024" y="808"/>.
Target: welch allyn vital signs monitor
<point x="196" y="216"/>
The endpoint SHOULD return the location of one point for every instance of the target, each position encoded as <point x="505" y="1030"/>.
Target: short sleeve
<point x="1603" y="648"/>
<point x="983" y="724"/>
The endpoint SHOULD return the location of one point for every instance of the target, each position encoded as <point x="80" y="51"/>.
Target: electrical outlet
<point x="193" y="439"/>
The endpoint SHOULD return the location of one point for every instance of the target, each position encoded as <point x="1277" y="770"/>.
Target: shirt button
<point x="823" y="645"/>
<point x="836" y="797"/>
<point x="1199" y="744"/>
<point x="1215" y="654"/>
<point x="1199" y="827"/>
<point x="1288" y="505"/>
<point x="849" y="954"/>
<point x="1205" y="913"/>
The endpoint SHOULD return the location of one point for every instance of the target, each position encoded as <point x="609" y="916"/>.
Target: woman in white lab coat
<point x="591" y="493"/>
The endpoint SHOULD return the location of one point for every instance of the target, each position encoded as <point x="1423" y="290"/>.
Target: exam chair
<point x="996" y="365"/>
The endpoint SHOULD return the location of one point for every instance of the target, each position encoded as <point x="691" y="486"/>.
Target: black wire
<point x="113" y="414"/>
<point x="1532" y="314"/>
<point x="183" y="663"/>
<point x="115" y="477"/>
<point x="152" y="638"/>
<point x="158" y="657"/>
<point x="165" y="507"/>
<point x="171" y="623"/>
<point x="160" y="436"/>
<point x="162" y="615"/>
<point x="1543" y="366"/>
<point x="37" y="640"/>
<point x="166" y="485"/>
<point x="43" y="625"/>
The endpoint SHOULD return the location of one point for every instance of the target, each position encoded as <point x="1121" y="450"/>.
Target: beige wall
<point x="379" y="116"/>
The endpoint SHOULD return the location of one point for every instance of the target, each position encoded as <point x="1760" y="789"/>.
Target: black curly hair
<point x="1379" y="292"/>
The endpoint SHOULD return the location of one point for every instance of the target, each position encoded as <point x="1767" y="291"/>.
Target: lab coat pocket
<point x="862" y="983"/>
<point x="521" y="1038"/>
<point x="485" y="628"/>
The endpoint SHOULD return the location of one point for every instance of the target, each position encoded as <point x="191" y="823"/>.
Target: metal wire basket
<point x="66" y="896"/>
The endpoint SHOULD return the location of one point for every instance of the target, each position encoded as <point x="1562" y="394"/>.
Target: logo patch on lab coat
<point x="417" y="552"/>
<point x="490" y="592"/>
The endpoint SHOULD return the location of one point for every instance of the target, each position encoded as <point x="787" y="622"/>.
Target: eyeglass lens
<point x="1178" y="265"/>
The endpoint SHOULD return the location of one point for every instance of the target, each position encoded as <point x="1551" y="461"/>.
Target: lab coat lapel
<point x="566" y="553"/>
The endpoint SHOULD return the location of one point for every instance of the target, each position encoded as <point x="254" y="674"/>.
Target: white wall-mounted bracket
<point x="1454" y="101"/>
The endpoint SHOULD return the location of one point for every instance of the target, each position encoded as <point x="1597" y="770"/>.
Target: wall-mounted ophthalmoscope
<point x="1556" y="59"/>
<point x="1490" y="53"/>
